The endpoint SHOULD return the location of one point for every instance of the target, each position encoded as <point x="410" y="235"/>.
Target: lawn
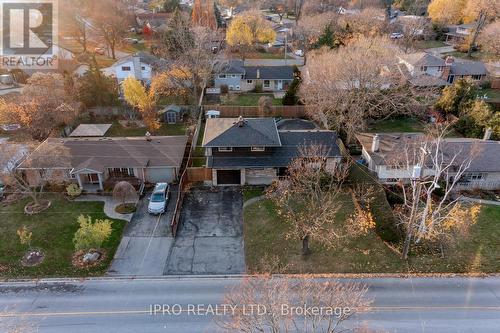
<point x="249" y="100"/>
<point x="53" y="232"/>
<point x="250" y="192"/>
<point x="397" y="125"/>
<point x="490" y="93"/>
<point x="429" y="44"/>
<point x="117" y="130"/>
<point x="264" y="235"/>
<point x="198" y="157"/>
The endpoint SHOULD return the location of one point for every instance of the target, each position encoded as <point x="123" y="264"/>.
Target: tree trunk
<point x="305" y="246"/>
<point x="480" y="23"/>
<point x="406" y="246"/>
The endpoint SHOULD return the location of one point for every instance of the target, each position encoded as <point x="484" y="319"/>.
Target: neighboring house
<point x="140" y="66"/>
<point x="253" y="151"/>
<point x="239" y="77"/>
<point x="393" y="157"/>
<point x="427" y="69"/>
<point x="458" y="33"/>
<point x="11" y="154"/>
<point x="89" y="162"/>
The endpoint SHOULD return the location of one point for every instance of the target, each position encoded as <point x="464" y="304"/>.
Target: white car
<point x="159" y="199"/>
<point x="396" y="35"/>
<point x="299" y="53"/>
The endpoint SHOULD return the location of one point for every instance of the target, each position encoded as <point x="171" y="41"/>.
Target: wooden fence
<point x="199" y="174"/>
<point x="226" y="111"/>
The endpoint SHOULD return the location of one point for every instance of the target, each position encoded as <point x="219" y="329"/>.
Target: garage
<point x="228" y="177"/>
<point x="160" y="175"/>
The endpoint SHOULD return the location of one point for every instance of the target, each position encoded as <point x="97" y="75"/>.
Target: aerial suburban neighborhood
<point x="250" y="166"/>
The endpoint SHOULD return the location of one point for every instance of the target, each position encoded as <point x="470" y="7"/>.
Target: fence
<point x="226" y="111"/>
<point x="199" y="174"/>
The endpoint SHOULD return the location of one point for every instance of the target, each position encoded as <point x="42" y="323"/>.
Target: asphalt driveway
<point x="210" y="235"/>
<point x="146" y="242"/>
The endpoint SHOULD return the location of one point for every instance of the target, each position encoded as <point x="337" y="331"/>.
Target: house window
<point x="423" y="68"/>
<point x="121" y="172"/>
<point x="143" y="68"/>
<point x="222" y="76"/>
<point x="249" y="81"/>
<point x="231" y="87"/>
<point x="440" y="68"/>
<point x="72" y="175"/>
<point x="238" y="88"/>
<point x="396" y="167"/>
<point x="126" y="68"/>
<point x="233" y="76"/>
<point x="267" y="83"/>
<point x="225" y="149"/>
<point x="474" y="176"/>
<point x="477" y="77"/>
<point x="258" y="148"/>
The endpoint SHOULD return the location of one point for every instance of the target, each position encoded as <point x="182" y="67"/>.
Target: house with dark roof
<point x="458" y="33"/>
<point x="424" y="69"/>
<point x="240" y="77"/>
<point x="253" y="151"/>
<point x="90" y="162"/>
<point x="394" y="156"/>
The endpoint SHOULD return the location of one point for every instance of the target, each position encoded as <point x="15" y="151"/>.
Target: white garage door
<point x="160" y="175"/>
<point x="260" y="176"/>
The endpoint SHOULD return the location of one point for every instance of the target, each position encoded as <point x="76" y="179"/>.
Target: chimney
<point x="375" y="143"/>
<point x="258" y="74"/>
<point x="487" y="134"/>
<point x="448" y="62"/>
<point x="241" y="121"/>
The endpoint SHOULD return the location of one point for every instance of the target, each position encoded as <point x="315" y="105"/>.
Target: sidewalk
<point x="109" y="206"/>
<point x="481" y="201"/>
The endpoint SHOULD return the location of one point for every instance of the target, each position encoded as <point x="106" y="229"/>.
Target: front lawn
<point x="397" y="125"/>
<point x="429" y="44"/>
<point x="265" y="55"/>
<point x="117" y="130"/>
<point x="264" y="235"/>
<point x="53" y="232"/>
<point x="248" y="100"/>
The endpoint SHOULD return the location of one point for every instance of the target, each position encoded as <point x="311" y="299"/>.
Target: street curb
<point x="241" y="276"/>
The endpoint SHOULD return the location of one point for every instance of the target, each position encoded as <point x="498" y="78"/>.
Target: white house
<point x="140" y="66"/>
<point x="393" y="157"/>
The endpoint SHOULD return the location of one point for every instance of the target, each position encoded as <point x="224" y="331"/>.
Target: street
<point x="123" y="305"/>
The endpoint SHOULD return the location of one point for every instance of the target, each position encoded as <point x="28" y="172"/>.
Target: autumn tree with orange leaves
<point x="203" y="14"/>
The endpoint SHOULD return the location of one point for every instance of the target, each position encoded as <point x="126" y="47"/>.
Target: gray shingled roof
<point x="423" y="59"/>
<point x="233" y="67"/>
<point x="86" y="130"/>
<point x="280" y="156"/>
<point x="269" y="72"/>
<point x="100" y="153"/>
<point x="468" y="67"/>
<point x="224" y="132"/>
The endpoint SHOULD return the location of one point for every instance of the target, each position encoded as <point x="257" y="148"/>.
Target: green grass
<point x="491" y="93"/>
<point x="249" y="100"/>
<point x="198" y="157"/>
<point x="117" y="130"/>
<point x="397" y="125"/>
<point x="429" y="44"/>
<point x="53" y="232"/>
<point x="250" y="192"/>
<point x="264" y="235"/>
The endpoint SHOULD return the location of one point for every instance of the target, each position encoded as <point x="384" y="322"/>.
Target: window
<point x="267" y="83"/>
<point x="423" y="68"/>
<point x="233" y="76"/>
<point x="126" y="68"/>
<point x="396" y="167"/>
<point x="222" y="76"/>
<point x="121" y="172"/>
<point x="72" y="175"/>
<point x="238" y="88"/>
<point x="225" y="149"/>
<point x="258" y="148"/>
<point x="143" y="68"/>
<point x="477" y="77"/>
<point x="231" y="87"/>
<point x="249" y="81"/>
<point x="473" y="176"/>
<point x="440" y="68"/>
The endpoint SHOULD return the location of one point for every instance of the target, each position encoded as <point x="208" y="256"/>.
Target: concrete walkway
<point x="480" y="201"/>
<point x="109" y="206"/>
<point x="253" y="200"/>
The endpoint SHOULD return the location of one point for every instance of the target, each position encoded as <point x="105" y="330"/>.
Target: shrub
<point x="25" y="236"/>
<point x="224" y="89"/>
<point x="91" y="235"/>
<point x="73" y="190"/>
<point x="258" y="88"/>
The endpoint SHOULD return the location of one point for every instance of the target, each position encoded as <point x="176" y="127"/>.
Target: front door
<point x="93" y="178"/>
<point x="279" y="85"/>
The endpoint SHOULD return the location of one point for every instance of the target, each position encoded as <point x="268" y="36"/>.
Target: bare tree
<point x="413" y="28"/>
<point x="362" y="81"/>
<point x="489" y="39"/>
<point x="112" y="27"/>
<point x="435" y="165"/>
<point x="307" y="198"/>
<point x="124" y="192"/>
<point x="278" y="302"/>
<point x="265" y="106"/>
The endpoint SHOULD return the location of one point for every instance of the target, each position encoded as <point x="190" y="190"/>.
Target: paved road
<point x="146" y="242"/>
<point x="401" y="305"/>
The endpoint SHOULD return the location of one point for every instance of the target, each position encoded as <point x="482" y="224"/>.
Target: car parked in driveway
<point x="396" y="35"/>
<point x="159" y="199"/>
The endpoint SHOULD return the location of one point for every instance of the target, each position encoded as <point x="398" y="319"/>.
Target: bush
<point x="258" y="88"/>
<point x="91" y="235"/>
<point x="224" y="89"/>
<point x="73" y="190"/>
